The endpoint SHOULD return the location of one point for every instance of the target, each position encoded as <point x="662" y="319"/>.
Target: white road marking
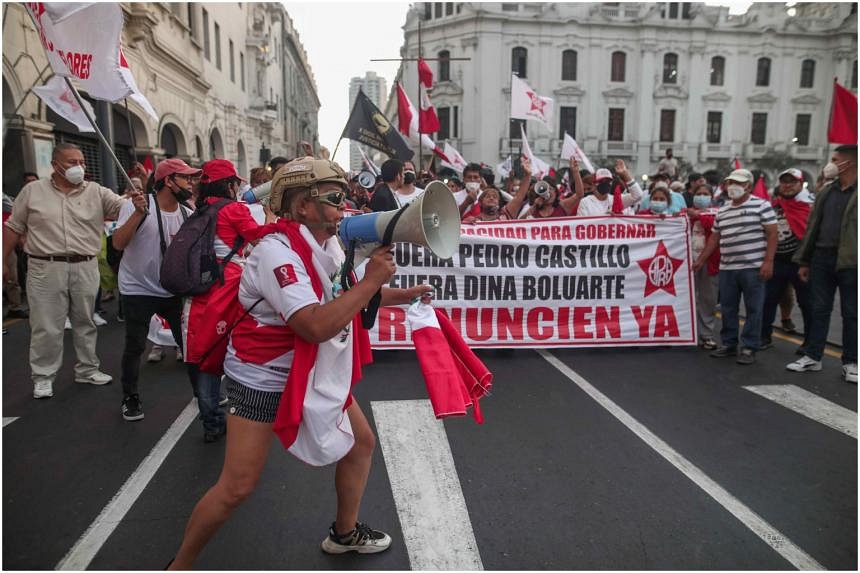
<point x="810" y="405"/>
<point x="430" y="504"/>
<point x="9" y="420"/>
<point x="87" y="547"/>
<point x="769" y="534"/>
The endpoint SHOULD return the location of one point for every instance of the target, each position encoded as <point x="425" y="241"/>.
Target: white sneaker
<point x="156" y="354"/>
<point x="806" y="364"/>
<point x="97" y="378"/>
<point x="97" y="318"/>
<point x="178" y="355"/>
<point x="43" y="389"/>
<point x="68" y="324"/>
<point x="849" y="372"/>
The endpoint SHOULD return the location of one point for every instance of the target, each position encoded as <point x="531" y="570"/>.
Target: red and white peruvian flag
<point x="135" y="95"/>
<point x="428" y="121"/>
<point x="407" y="123"/>
<point x="455" y="161"/>
<point x="527" y="104"/>
<point x="82" y="41"/>
<point x="57" y="96"/>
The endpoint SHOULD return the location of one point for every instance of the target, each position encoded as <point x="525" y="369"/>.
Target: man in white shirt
<point x="600" y="202"/>
<point x="144" y="238"/>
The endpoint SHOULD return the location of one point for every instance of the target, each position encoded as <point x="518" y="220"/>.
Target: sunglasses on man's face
<point x="334" y="198"/>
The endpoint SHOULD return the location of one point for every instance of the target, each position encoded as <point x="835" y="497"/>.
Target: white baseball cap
<point x="602" y="174"/>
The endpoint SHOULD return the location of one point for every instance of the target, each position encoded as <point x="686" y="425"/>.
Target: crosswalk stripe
<point x="430" y="504"/>
<point x="810" y="405"/>
<point x="9" y="420"/>
<point x="754" y="522"/>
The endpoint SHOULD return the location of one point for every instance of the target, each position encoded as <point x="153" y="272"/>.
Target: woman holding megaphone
<point x="298" y="320"/>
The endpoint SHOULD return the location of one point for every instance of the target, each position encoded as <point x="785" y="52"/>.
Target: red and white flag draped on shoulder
<point x="303" y="421"/>
<point x="456" y="379"/>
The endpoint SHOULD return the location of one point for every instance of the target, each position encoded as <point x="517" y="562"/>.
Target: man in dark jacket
<point x="392" y="178"/>
<point x="828" y="260"/>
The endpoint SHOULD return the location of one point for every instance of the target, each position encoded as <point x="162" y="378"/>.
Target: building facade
<point x="228" y="80"/>
<point x="374" y="88"/>
<point x="632" y="79"/>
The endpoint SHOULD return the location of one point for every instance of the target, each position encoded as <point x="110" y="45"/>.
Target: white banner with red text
<point x="565" y="282"/>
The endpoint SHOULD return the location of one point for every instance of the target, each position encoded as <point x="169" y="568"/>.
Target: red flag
<point x="428" y="121"/>
<point x="737" y="163"/>
<point x="404" y="113"/>
<point x="147" y="164"/>
<point x="843" y="116"/>
<point x="617" y="203"/>
<point x="760" y="189"/>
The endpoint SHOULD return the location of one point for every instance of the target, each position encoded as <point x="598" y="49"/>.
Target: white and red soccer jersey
<point x="260" y="352"/>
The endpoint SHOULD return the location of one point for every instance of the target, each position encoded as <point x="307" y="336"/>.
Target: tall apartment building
<point x="632" y="79"/>
<point x="228" y="80"/>
<point x="374" y="88"/>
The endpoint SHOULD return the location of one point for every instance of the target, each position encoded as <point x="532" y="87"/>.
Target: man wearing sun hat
<point x="144" y="238"/>
<point x="745" y="231"/>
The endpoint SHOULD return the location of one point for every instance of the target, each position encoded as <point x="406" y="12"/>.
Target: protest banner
<point x="564" y="282"/>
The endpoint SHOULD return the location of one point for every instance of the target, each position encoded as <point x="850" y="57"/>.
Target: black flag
<point x="369" y="126"/>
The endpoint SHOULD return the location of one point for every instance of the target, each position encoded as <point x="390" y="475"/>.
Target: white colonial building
<point x="632" y="79"/>
<point x="228" y="80"/>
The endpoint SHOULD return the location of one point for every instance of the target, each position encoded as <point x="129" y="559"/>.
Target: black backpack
<point x="189" y="266"/>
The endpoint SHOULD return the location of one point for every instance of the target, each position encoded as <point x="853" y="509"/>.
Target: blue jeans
<point x="785" y="274"/>
<point x="823" y="282"/>
<point x="207" y="389"/>
<point x="733" y="284"/>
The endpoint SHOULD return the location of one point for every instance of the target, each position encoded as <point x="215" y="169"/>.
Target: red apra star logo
<point x="537" y="103"/>
<point x="660" y="271"/>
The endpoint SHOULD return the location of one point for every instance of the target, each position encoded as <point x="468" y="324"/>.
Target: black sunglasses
<point x="334" y="198"/>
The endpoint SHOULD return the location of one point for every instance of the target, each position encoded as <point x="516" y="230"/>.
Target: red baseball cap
<point x="218" y="169"/>
<point x="173" y="166"/>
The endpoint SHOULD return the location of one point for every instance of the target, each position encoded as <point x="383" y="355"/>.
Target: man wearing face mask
<point x="63" y="217"/>
<point x="143" y="239"/>
<point x="473" y="182"/>
<point x="792" y="213"/>
<point x="745" y="232"/>
<point x="392" y="179"/>
<point x="827" y="259"/>
<point x="600" y="202"/>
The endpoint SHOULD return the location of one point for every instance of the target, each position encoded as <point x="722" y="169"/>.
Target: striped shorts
<point x="251" y="404"/>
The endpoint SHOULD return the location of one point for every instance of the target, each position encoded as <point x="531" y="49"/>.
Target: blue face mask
<point x="701" y="201"/>
<point x="659" y="206"/>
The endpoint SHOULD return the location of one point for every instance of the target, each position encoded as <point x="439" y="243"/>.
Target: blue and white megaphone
<point x="432" y="220"/>
<point x="258" y="194"/>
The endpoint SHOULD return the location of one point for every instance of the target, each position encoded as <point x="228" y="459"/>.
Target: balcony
<point x="613" y="149"/>
<point x="658" y="149"/>
<point x="620" y="11"/>
<point x="755" y="151"/>
<point x="807" y="152"/>
<point x="715" y="151"/>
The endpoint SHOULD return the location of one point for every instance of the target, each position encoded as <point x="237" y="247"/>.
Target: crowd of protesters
<point x="793" y="244"/>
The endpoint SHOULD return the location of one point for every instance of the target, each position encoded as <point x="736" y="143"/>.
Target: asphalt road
<point x="552" y="480"/>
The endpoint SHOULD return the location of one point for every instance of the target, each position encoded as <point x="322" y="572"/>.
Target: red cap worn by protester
<point x="218" y="169"/>
<point x="174" y="166"/>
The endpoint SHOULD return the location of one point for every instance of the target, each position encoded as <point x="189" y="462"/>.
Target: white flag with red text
<point x="540" y="168"/>
<point x="527" y="104"/>
<point x="82" y="40"/>
<point x="571" y="148"/>
<point x="57" y="96"/>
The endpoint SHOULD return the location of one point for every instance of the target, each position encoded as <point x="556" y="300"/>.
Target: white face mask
<point x="831" y="171"/>
<point x="472" y="186"/>
<point x="735" y="191"/>
<point x="75" y="174"/>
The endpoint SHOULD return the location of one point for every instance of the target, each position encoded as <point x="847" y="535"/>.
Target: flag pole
<point x="130" y="131"/>
<point x="418" y="77"/>
<point x="510" y="122"/>
<point x="339" y="139"/>
<point x="99" y="132"/>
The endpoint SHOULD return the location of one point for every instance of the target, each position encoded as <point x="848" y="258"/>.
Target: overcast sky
<point x="341" y="38"/>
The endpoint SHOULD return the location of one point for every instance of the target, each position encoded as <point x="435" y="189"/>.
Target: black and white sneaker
<point x="131" y="408"/>
<point x="362" y="539"/>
